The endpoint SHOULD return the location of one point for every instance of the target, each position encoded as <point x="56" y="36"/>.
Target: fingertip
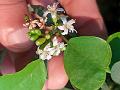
<point x="57" y="77"/>
<point x="16" y="40"/>
<point x="12" y="33"/>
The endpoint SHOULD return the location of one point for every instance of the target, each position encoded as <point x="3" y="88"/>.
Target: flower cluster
<point x="50" y="51"/>
<point x="46" y="28"/>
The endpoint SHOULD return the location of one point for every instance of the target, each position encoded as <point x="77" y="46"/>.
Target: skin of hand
<point x="13" y="35"/>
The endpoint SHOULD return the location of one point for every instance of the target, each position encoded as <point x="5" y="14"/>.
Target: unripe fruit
<point x="40" y="41"/>
<point x="47" y="36"/>
<point x="34" y="37"/>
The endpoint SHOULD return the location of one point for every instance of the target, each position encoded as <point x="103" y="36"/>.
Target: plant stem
<point x="64" y="38"/>
<point x="46" y="64"/>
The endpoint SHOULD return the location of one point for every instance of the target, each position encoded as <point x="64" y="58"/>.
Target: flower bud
<point x="38" y="32"/>
<point x="47" y="36"/>
<point x="26" y="18"/>
<point x="31" y="32"/>
<point x="40" y="41"/>
<point x="34" y="37"/>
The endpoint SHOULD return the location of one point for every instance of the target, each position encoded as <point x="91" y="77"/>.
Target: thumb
<point x="88" y="18"/>
<point x="57" y="77"/>
<point x="81" y="8"/>
<point x="12" y="33"/>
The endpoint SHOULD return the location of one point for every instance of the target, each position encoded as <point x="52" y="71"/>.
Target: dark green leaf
<point x="38" y="9"/>
<point x="114" y="41"/>
<point x="49" y="20"/>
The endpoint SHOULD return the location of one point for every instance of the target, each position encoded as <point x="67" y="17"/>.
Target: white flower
<point x="67" y="26"/>
<point x="53" y="10"/>
<point x="48" y="51"/>
<point x="57" y="47"/>
<point x="26" y="24"/>
<point x="34" y="23"/>
<point x="45" y="53"/>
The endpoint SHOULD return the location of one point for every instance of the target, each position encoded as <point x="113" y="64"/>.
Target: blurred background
<point x="110" y="10"/>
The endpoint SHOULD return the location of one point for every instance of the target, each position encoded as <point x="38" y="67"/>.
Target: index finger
<point x="88" y="18"/>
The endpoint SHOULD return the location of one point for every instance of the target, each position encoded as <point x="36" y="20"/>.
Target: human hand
<point x="88" y="22"/>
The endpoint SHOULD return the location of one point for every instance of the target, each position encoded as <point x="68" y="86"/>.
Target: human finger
<point x="13" y="35"/>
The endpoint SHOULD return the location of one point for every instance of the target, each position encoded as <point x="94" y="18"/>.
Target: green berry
<point x="40" y="41"/>
<point x="32" y="31"/>
<point x="47" y="36"/>
<point x="34" y="37"/>
<point x="37" y="31"/>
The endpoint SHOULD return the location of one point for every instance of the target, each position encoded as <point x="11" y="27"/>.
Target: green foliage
<point x="114" y="41"/>
<point x="115" y="72"/>
<point x="49" y="20"/>
<point x="110" y="10"/>
<point x="32" y="77"/>
<point x="38" y="9"/>
<point x="86" y="62"/>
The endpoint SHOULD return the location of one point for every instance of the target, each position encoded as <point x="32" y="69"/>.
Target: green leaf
<point x="114" y="41"/>
<point x="49" y="20"/>
<point x="38" y="9"/>
<point x="115" y="72"/>
<point x="108" y="70"/>
<point x="32" y="77"/>
<point x="86" y="62"/>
